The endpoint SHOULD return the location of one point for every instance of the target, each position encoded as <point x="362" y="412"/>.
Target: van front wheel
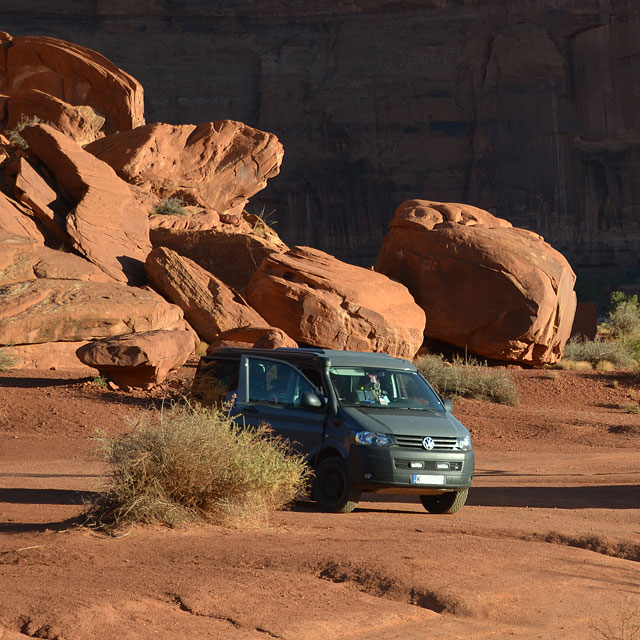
<point x="332" y="487"/>
<point x="449" y="502"/>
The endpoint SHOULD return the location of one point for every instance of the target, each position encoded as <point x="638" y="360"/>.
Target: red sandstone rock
<point x="585" y="322"/>
<point x="33" y="191"/>
<point x="215" y="165"/>
<point x="319" y="300"/>
<point x="49" y="355"/>
<point x="73" y="74"/>
<point x="52" y="310"/>
<point x="139" y="359"/>
<point x="81" y="123"/>
<point x="498" y="291"/>
<point x="14" y="220"/>
<point x="107" y="225"/>
<point x="259" y="337"/>
<point x="209" y="305"/>
<point x="23" y="259"/>
<point x="231" y="257"/>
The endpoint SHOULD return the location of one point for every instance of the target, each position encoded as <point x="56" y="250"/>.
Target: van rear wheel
<point x="332" y="487"/>
<point x="449" y="502"/>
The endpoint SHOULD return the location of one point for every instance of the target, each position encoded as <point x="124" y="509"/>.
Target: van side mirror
<point x="448" y="405"/>
<point x="310" y="400"/>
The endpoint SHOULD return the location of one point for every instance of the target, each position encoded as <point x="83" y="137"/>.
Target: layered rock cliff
<point x="522" y="107"/>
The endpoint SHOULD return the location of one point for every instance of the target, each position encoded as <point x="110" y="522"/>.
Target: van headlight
<point x="464" y="444"/>
<point x="375" y="439"/>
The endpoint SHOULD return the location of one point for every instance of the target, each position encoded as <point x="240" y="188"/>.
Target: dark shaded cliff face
<point x="526" y="108"/>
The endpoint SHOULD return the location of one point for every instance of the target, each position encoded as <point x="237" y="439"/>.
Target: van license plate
<point x="420" y="478"/>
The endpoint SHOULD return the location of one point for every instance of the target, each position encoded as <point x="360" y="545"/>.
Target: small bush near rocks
<point x="188" y="463"/>
<point x="598" y="351"/>
<point x="624" y="317"/>
<point x="6" y="359"/>
<point x="14" y="135"/>
<point x="169" y="207"/>
<point x="468" y="379"/>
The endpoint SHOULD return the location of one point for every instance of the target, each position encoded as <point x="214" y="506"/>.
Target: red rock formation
<point x="319" y="300"/>
<point x="15" y="220"/>
<point x="216" y="165"/>
<point x="52" y="310"/>
<point x="73" y="74"/>
<point x="248" y="337"/>
<point x="210" y="307"/>
<point x="23" y="259"/>
<point x="498" y="291"/>
<point x="139" y="359"/>
<point x="81" y="123"/>
<point x="231" y="257"/>
<point x="107" y="225"/>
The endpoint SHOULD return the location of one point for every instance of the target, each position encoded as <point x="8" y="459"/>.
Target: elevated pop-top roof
<point x="311" y="354"/>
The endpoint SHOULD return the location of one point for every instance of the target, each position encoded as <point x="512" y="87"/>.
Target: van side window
<point x="276" y="383"/>
<point x="214" y="379"/>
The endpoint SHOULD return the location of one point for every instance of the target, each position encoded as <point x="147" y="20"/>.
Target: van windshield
<point x="383" y="388"/>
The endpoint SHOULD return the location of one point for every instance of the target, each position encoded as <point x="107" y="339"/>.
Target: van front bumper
<point x="398" y="470"/>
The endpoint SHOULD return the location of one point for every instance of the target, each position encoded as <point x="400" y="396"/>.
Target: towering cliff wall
<point x="526" y="108"/>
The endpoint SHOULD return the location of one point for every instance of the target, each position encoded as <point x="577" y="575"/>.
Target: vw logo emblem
<point x="428" y="443"/>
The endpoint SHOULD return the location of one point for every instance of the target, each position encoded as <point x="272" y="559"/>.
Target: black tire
<point x="449" y="502"/>
<point x="332" y="487"/>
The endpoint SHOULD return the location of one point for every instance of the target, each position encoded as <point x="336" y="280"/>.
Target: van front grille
<point x="442" y="443"/>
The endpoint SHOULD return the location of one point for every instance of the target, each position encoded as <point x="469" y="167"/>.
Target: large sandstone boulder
<point x="139" y="359"/>
<point x="73" y="74"/>
<point x="217" y="165"/>
<point x="107" y="225"/>
<point x="23" y="259"/>
<point x="232" y="257"/>
<point x="53" y="310"/>
<point x="81" y="123"/>
<point x="498" y="291"/>
<point x="321" y="301"/>
<point x="209" y="305"/>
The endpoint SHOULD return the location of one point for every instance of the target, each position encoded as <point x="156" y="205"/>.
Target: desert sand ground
<point x="547" y="546"/>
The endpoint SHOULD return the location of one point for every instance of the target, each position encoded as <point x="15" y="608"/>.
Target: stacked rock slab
<point x="209" y="305"/>
<point x="106" y="225"/>
<point x="486" y="286"/>
<point x="319" y="300"/>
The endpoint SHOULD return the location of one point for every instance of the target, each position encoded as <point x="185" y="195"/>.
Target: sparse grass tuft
<point x="594" y="352"/>
<point x="14" y="135"/>
<point x="100" y="381"/>
<point x="625" y="627"/>
<point x="468" y="380"/>
<point x="7" y="361"/>
<point x="169" y="207"/>
<point x="188" y="463"/>
<point x="631" y="408"/>
<point x="263" y="222"/>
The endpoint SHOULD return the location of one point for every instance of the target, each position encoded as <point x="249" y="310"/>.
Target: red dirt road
<point x="547" y="547"/>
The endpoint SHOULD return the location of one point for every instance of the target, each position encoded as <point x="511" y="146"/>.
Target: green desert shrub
<point x="624" y="317"/>
<point x="468" y="379"/>
<point x="15" y="134"/>
<point x="598" y="351"/>
<point x="6" y="358"/>
<point x="169" y="207"/>
<point x="187" y="463"/>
